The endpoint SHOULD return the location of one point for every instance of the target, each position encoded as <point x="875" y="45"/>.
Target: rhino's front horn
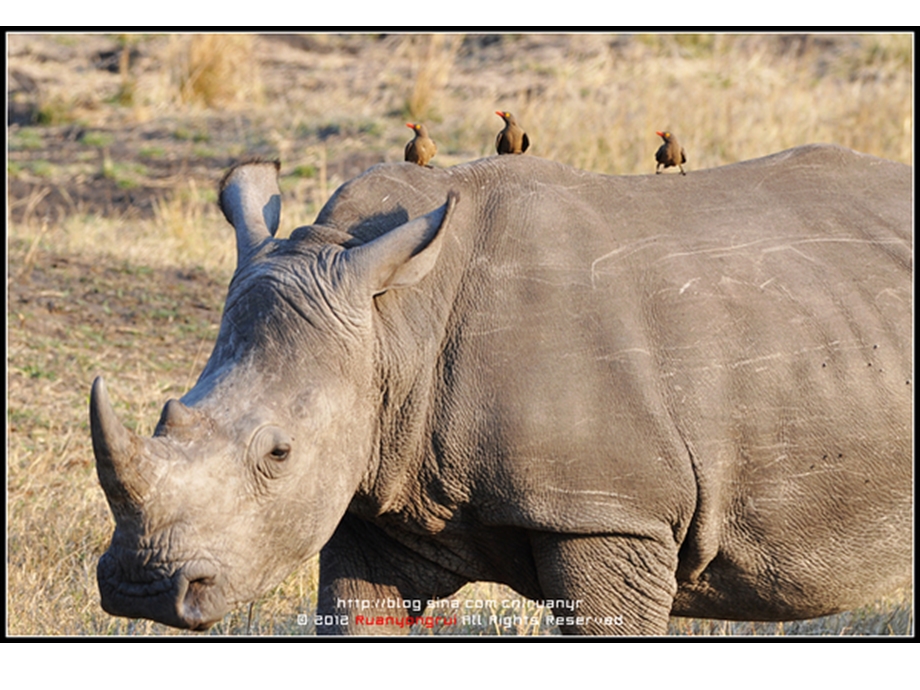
<point x="119" y="459"/>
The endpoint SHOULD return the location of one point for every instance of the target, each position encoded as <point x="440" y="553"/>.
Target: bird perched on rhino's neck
<point x="512" y="139"/>
<point x="670" y="153"/>
<point x="421" y="148"/>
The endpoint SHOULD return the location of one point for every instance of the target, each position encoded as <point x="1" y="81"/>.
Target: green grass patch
<point x="306" y="171"/>
<point x="34" y="371"/>
<point x="98" y="139"/>
<point x="125" y="175"/>
<point x="187" y="134"/>
<point x="154" y="152"/>
<point x="26" y="139"/>
<point x="42" y="168"/>
<point x="56" y="111"/>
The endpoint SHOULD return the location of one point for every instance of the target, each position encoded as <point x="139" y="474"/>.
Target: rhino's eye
<point x="280" y="452"/>
<point x="270" y="447"/>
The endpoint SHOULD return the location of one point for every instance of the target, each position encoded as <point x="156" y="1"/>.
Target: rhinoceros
<point x="626" y="397"/>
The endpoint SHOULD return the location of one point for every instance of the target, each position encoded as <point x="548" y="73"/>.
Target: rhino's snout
<point x="191" y="597"/>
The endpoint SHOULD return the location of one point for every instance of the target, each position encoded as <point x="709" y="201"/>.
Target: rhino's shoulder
<point x="497" y="171"/>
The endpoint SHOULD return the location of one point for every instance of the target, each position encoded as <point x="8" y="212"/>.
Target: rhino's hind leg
<point x="607" y="585"/>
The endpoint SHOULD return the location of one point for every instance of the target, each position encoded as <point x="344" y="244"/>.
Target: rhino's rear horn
<point x="179" y="421"/>
<point x="119" y="458"/>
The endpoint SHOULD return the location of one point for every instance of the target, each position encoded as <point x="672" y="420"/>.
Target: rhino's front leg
<point x="607" y="585"/>
<point x="371" y="584"/>
<point x="355" y="606"/>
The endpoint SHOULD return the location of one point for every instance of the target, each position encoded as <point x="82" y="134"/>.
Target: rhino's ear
<point x="251" y="202"/>
<point x="404" y="255"/>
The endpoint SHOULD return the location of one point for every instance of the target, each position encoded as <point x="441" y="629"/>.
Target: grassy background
<point x="119" y="260"/>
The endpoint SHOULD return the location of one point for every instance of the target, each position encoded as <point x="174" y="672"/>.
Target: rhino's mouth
<point x="188" y="595"/>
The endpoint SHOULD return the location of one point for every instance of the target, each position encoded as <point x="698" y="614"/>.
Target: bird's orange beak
<point x="500" y="113"/>
<point x="410" y="125"/>
<point x="660" y="134"/>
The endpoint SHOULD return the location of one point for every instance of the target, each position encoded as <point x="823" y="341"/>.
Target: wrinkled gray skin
<point x="655" y="395"/>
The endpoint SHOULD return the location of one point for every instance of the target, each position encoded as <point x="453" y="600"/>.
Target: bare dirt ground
<point x="118" y="261"/>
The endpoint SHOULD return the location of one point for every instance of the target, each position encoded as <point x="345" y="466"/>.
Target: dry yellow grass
<point x="432" y="57"/>
<point x="215" y="69"/>
<point x="738" y="97"/>
<point x="593" y="102"/>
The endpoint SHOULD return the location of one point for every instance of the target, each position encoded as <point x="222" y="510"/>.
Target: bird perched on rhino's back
<point x="512" y="139"/>
<point x="421" y="148"/>
<point x="670" y="153"/>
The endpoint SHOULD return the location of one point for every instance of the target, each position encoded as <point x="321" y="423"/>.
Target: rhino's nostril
<point x="197" y="590"/>
<point x="200" y="602"/>
<point x="195" y="602"/>
<point x="200" y="583"/>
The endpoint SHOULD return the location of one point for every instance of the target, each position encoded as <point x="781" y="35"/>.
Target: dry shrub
<point x="179" y="215"/>
<point x="432" y="58"/>
<point x="189" y="228"/>
<point x="215" y="69"/>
